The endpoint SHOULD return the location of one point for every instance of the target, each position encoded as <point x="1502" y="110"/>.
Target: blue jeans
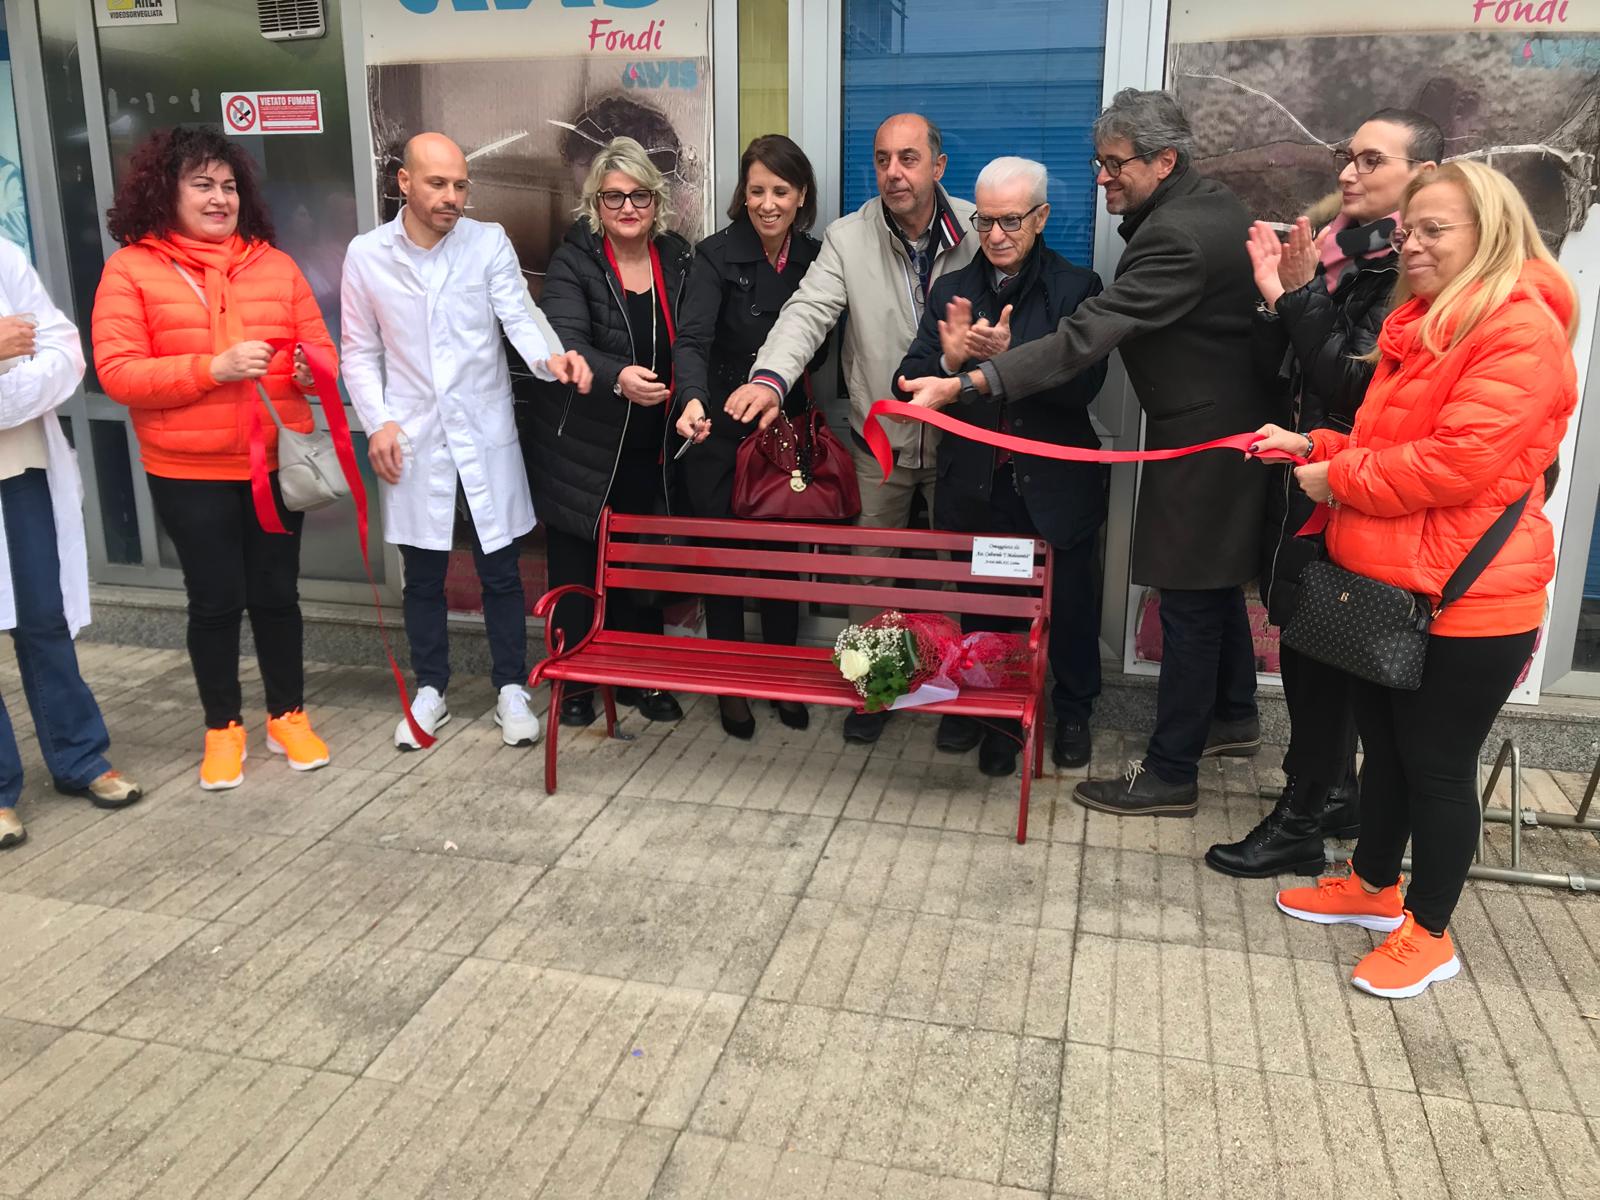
<point x="72" y="734"/>
<point x="505" y="617"/>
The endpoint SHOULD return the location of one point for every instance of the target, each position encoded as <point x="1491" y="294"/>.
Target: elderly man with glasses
<point x="1015" y="291"/>
<point x="1180" y="311"/>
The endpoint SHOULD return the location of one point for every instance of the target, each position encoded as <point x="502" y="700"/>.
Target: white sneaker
<point x="518" y="725"/>
<point x="429" y="711"/>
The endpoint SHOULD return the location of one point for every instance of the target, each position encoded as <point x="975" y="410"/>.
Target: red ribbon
<point x="878" y="442"/>
<point x="325" y="383"/>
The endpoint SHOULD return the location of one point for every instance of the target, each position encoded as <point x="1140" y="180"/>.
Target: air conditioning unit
<point x="291" y="20"/>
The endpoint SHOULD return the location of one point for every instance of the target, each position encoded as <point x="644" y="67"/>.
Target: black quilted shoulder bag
<point x="1376" y="631"/>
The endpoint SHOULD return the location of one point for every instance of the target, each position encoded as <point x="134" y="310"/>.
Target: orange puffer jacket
<point x="1442" y="445"/>
<point x="154" y="341"/>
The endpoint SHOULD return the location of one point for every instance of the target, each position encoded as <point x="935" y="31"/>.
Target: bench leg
<point x="552" y="730"/>
<point x="1030" y="749"/>
<point x="1038" y="744"/>
<point x="608" y="698"/>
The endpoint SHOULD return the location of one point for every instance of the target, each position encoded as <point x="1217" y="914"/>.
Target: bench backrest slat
<point x="846" y="566"/>
<point x="862" y="595"/>
<point x="783" y="531"/>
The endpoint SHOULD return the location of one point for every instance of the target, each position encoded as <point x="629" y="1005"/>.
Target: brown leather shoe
<point x="11" y="831"/>
<point x="111" y="790"/>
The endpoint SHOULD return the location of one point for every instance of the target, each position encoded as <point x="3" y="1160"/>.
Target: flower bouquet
<point x="901" y="660"/>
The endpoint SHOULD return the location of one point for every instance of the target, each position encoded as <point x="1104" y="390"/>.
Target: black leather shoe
<point x="997" y="755"/>
<point x="1072" y="746"/>
<point x="1284" y="843"/>
<point x="653" y="705"/>
<point x="957" y="734"/>
<point x="794" y="715"/>
<point x="578" y="711"/>
<point x="864" y="726"/>
<point x="1233" y="739"/>
<point x="734" y="725"/>
<point x="1139" y="793"/>
<point x="1341" y="815"/>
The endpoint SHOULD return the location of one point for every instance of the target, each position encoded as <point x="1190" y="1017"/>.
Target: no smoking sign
<point x="256" y="113"/>
<point x="240" y="113"/>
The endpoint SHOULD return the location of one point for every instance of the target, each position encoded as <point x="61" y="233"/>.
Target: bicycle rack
<point x="1519" y="818"/>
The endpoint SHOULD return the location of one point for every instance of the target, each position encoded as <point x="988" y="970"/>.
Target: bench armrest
<point x="554" y="639"/>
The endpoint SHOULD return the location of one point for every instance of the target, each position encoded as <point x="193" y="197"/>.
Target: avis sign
<point x="245" y="113"/>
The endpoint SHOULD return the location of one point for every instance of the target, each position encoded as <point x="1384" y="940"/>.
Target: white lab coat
<point x="432" y="361"/>
<point x="32" y="390"/>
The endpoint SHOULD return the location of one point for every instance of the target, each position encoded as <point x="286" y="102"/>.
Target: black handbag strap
<point x="1482" y="554"/>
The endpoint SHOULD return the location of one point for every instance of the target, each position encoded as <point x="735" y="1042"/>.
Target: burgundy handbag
<point x="795" y="471"/>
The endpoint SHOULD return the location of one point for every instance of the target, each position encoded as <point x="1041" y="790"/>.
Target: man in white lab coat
<point x="423" y="301"/>
<point x="44" y="569"/>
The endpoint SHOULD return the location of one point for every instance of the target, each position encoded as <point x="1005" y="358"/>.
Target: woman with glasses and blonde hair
<point x="1473" y="389"/>
<point x="612" y="293"/>
<point x="1323" y="300"/>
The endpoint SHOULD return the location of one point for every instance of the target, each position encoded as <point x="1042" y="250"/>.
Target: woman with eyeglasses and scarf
<point x="1323" y="300"/>
<point x="612" y="293"/>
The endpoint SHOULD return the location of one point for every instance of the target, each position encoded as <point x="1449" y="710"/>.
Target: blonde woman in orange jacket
<point x="182" y="321"/>
<point x="1474" y="387"/>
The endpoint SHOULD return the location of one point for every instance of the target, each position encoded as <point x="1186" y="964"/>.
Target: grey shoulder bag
<point x="309" y="475"/>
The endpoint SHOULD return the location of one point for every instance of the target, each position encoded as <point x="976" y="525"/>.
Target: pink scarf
<point x="1343" y="241"/>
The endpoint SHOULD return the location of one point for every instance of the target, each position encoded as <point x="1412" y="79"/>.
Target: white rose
<point x="854" y="665"/>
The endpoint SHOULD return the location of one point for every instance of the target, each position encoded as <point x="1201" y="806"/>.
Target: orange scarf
<point x="211" y="265"/>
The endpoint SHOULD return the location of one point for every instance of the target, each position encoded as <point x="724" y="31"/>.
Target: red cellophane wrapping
<point x="950" y="658"/>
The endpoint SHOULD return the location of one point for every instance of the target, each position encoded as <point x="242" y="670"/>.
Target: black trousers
<point x="1208" y="671"/>
<point x="572" y="558"/>
<point x="232" y="566"/>
<point x="1419" y="779"/>
<point x="1074" y="604"/>
<point x="427" y="615"/>
<point x="1322" y="728"/>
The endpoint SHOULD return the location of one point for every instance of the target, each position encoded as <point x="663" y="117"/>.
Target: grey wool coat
<point x="1179" y="309"/>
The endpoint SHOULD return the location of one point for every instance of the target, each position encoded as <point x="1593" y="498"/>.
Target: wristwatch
<point x="969" y="390"/>
<point x="1311" y="447"/>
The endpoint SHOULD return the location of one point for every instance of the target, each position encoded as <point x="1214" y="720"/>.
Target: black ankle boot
<point x="1341" y="815"/>
<point x="1284" y="842"/>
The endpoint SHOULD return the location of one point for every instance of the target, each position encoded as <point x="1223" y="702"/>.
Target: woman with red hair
<point x="183" y="322"/>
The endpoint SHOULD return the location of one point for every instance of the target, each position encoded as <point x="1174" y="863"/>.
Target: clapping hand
<point x="985" y="341"/>
<point x="955" y="332"/>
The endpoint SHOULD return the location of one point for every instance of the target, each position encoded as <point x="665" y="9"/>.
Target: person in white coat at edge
<point x="423" y="301"/>
<point x="44" y="591"/>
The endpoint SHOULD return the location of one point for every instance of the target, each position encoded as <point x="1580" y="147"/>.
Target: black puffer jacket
<point x="1310" y="354"/>
<point x="572" y="442"/>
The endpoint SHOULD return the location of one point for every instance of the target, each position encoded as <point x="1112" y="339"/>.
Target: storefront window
<point x="13" y="203"/>
<point x="1024" y="78"/>
<point x="763" y="68"/>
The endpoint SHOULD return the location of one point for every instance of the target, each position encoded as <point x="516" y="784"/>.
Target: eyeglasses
<point x="640" y="199"/>
<point x="1367" y="161"/>
<point x="1427" y="233"/>
<point x="1010" y="222"/>
<point x="1113" y="166"/>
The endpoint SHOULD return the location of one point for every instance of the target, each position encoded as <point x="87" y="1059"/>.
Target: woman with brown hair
<point x="182" y="324"/>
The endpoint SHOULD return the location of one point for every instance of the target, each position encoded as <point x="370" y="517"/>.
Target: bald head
<point x="433" y="180"/>
<point x="434" y="150"/>
<point x="908" y="154"/>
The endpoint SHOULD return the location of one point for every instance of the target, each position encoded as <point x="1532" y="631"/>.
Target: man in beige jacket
<point x="878" y="262"/>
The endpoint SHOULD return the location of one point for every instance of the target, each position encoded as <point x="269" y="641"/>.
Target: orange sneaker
<point x="223" y="765"/>
<point x="1341" y="900"/>
<point x="290" y="735"/>
<point x="1409" y="960"/>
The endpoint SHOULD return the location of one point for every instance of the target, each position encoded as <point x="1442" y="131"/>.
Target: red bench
<point x="671" y="554"/>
